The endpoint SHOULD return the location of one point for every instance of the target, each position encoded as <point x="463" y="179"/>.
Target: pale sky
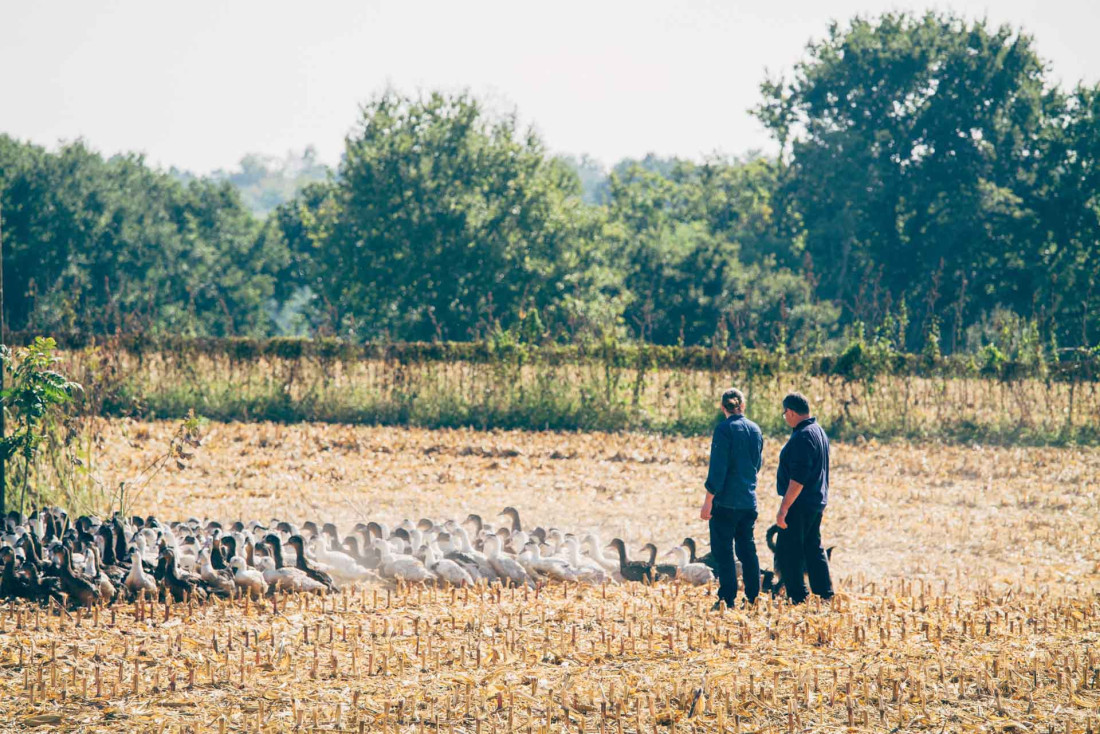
<point x="199" y="84"/>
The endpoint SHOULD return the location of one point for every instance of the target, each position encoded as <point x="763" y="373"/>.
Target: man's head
<point x="733" y="402"/>
<point x="796" y="408"/>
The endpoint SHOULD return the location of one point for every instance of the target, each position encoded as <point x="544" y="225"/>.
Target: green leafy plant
<point x="34" y="402"/>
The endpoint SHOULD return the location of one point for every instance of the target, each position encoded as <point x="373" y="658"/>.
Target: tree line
<point x="933" y="190"/>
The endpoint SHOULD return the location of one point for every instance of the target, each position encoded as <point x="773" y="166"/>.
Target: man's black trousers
<point x="799" y="551"/>
<point x="730" y="529"/>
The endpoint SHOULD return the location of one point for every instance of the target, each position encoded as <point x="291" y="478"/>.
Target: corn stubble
<point x="938" y="626"/>
<point x="565" y="658"/>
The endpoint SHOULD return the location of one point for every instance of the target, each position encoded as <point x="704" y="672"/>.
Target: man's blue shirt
<point x="735" y="456"/>
<point x="805" y="459"/>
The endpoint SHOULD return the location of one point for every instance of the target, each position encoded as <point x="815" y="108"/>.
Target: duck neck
<point x="93" y="560"/>
<point x="135" y="567"/>
<point x="118" y="534"/>
<point x="229" y="549"/>
<point x="300" y="560"/>
<point x="681" y="556"/>
<point x="109" y="556"/>
<point x="33" y="551"/>
<point x="277" y="552"/>
<point x="67" y="562"/>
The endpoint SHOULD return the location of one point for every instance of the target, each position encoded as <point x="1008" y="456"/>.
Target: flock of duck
<point x="87" y="561"/>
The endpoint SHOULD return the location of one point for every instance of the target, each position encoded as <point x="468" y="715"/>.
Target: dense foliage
<point x="934" y="192"/>
<point x="931" y="159"/>
<point x="104" y="245"/>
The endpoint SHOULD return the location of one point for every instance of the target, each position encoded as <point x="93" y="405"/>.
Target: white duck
<point x="401" y="567"/>
<point x="137" y="581"/>
<point x="588" y="569"/>
<point x="287" y="579"/>
<point x="342" y="567"/>
<point x="506" y="568"/>
<point x="249" y="581"/>
<point x="446" y="569"/>
<point x="168" y="536"/>
<point x="146" y="547"/>
<point x="693" y="573"/>
<point x="595" y="551"/>
<point x="554" y="568"/>
<point x="95" y="573"/>
<point x="556" y="540"/>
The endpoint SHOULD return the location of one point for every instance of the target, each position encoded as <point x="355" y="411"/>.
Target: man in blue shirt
<point x="730" y="505"/>
<point x="802" y="480"/>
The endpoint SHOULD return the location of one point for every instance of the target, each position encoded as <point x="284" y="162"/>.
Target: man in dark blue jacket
<point x="802" y="480"/>
<point x="730" y="505"/>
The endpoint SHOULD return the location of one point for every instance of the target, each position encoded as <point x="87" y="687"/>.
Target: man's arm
<point x="719" y="466"/>
<point x="707" y="508"/>
<point x="800" y="462"/>
<point x="759" y="459"/>
<point x="793" y="490"/>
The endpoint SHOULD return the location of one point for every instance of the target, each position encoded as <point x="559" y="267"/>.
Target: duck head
<point x="513" y="513"/>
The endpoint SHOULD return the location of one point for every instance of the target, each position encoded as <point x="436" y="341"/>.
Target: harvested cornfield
<point x="968" y="601"/>
<point x="622" y="659"/>
<point x="973" y="516"/>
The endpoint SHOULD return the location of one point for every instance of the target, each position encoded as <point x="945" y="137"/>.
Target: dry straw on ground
<point x="969" y="600"/>
<point x="630" y="659"/>
<point x="971" y="516"/>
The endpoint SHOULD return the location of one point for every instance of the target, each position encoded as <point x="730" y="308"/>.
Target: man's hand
<point x="704" y="513"/>
<point x="793" y="490"/>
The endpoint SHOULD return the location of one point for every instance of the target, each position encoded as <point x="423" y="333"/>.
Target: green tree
<point x="909" y="142"/>
<point x="703" y="257"/>
<point x="444" y="221"/>
<point x="100" y="245"/>
<point x="1065" y="257"/>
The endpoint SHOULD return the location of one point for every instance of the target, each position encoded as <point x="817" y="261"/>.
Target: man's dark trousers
<point x="798" y="551"/>
<point x="730" y="528"/>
